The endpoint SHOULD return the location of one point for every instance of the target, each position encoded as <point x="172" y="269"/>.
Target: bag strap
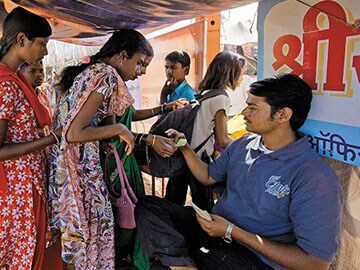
<point x="109" y="183"/>
<point x="200" y="98"/>
<point x="125" y="186"/>
<point x="203" y="143"/>
<point x="209" y="94"/>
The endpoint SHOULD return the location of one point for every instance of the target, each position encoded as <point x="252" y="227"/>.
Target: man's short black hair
<point x="179" y="56"/>
<point x="285" y="90"/>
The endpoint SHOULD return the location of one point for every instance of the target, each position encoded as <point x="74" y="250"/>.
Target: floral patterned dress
<point x="80" y="206"/>
<point x="25" y="178"/>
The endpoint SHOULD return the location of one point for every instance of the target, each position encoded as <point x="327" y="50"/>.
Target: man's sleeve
<point x="316" y="212"/>
<point x="219" y="167"/>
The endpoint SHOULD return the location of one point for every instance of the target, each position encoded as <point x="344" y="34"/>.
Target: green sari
<point x="127" y="240"/>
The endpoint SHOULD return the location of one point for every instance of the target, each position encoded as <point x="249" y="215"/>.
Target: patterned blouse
<point x="80" y="206"/>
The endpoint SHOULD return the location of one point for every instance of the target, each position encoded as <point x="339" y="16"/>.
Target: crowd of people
<point x="280" y="205"/>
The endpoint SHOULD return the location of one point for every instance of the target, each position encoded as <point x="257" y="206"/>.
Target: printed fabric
<point x="18" y="234"/>
<point x="79" y="204"/>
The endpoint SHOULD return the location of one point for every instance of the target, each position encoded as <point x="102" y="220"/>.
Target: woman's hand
<point x="177" y="104"/>
<point x="163" y="146"/>
<point x="216" y="227"/>
<point x="127" y="137"/>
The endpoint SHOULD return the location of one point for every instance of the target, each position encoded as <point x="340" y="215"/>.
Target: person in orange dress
<point x="23" y="203"/>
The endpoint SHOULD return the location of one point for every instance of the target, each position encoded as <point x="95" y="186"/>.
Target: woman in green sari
<point x="126" y="240"/>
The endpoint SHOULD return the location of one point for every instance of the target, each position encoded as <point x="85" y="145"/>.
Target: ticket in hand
<point x="202" y="213"/>
<point x="181" y="142"/>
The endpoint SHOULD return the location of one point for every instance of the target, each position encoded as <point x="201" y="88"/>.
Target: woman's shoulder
<point x="9" y="86"/>
<point x="212" y="94"/>
<point x="10" y="98"/>
<point x="98" y="72"/>
<point x="221" y="100"/>
<point x="102" y="68"/>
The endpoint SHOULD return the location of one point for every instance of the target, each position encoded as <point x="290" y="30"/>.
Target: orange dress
<point x="23" y="218"/>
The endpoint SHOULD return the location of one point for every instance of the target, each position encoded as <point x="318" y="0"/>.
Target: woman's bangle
<point x="143" y="139"/>
<point x="56" y="138"/>
<point x="153" y="140"/>
<point x="138" y="138"/>
<point x="163" y="108"/>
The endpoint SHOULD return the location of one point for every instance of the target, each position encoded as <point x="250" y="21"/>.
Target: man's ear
<point x="285" y="114"/>
<point x="20" y="39"/>
<point x="187" y="69"/>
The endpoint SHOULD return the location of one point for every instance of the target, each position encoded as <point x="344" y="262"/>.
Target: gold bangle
<point x="153" y="141"/>
<point x="56" y="138"/>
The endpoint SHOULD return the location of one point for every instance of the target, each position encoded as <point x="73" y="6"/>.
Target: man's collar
<point x="285" y="152"/>
<point x="254" y="144"/>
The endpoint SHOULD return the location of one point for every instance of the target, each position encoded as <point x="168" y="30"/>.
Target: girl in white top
<point x="224" y="72"/>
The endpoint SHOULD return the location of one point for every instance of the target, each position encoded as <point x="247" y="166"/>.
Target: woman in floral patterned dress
<point x="80" y="206"/>
<point x="23" y="217"/>
<point x="126" y="241"/>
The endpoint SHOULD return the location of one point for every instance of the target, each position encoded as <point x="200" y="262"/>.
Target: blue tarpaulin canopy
<point x="77" y="19"/>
